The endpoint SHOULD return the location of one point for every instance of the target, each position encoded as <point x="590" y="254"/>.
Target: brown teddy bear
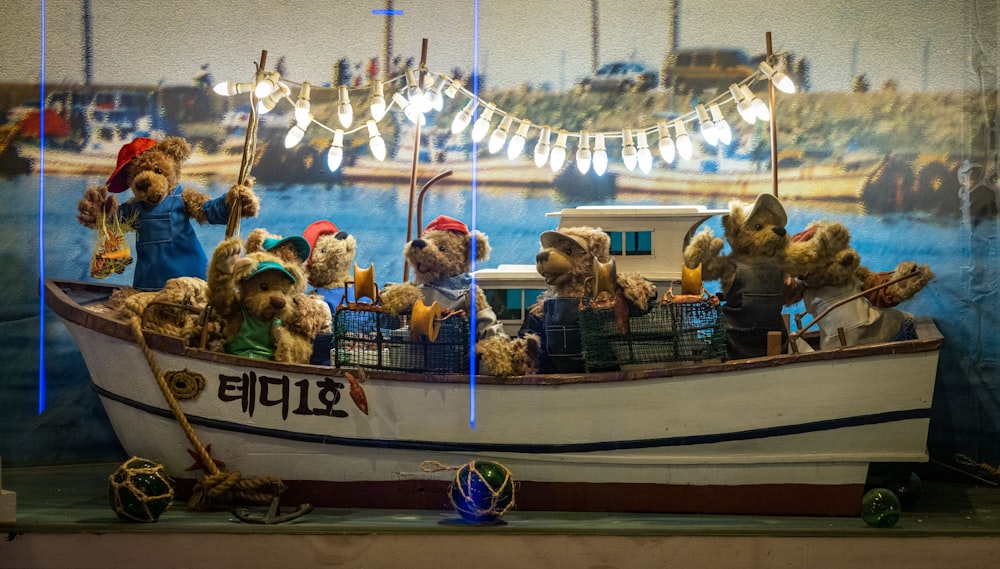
<point x="752" y="274"/>
<point x="161" y="210"/>
<point x="311" y="316"/>
<point x="829" y="271"/>
<point x="254" y="295"/>
<point x="441" y="259"/>
<point x="567" y="263"/>
<point x="330" y="261"/>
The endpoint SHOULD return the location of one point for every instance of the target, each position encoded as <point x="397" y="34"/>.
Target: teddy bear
<point x="567" y="262"/>
<point x="254" y="295"/>
<point x="829" y="271"/>
<point x="312" y="316"/>
<point x="752" y="273"/>
<point x="331" y="260"/>
<point x="441" y="259"/>
<point x="161" y="210"/>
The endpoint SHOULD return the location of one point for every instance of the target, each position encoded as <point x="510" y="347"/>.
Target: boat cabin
<point x="648" y="239"/>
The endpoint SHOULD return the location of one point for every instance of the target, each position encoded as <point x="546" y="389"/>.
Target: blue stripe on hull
<point x="472" y="447"/>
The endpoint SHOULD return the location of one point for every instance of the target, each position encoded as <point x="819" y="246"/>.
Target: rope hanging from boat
<point x="216" y="483"/>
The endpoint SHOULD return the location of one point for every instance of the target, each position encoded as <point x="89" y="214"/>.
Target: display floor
<point x="63" y="520"/>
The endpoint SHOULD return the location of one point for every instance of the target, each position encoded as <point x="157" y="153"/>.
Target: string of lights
<point x="268" y="89"/>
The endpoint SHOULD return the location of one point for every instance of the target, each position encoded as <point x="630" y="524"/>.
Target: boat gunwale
<point x="60" y="302"/>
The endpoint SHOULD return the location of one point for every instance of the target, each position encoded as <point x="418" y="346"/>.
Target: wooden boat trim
<point x="100" y="319"/>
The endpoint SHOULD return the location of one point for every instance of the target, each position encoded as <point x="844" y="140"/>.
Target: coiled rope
<point x="215" y="483"/>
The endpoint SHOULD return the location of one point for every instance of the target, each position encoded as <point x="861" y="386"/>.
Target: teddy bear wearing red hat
<point x="166" y="243"/>
<point x="441" y="259"/>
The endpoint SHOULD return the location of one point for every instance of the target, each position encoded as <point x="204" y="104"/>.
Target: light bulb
<point x="684" y="145"/>
<point x="781" y="81"/>
<point x="517" y="141"/>
<point x="414" y="94"/>
<point x="335" y="155"/>
<point x="294" y="136"/>
<point x="302" y="110"/>
<point x="667" y="148"/>
<point x="268" y="84"/>
<point x="230" y="88"/>
<point x="629" y="155"/>
<point x="433" y="98"/>
<point x="378" y="101"/>
<point x="558" y="155"/>
<point x="542" y="148"/>
<point x="644" y="157"/>
<point x="725" y="133"/>
<point x="706" y="126"/>
<point x="759" y="107"/>
<point x="375" y="141"/>
<point x="464" y="117"/>
<point x="482" y="125"/>
<point x="345" y="113"/>
<point x="453" y="88"/>
<point x="600" y="159"/>
<point x="742" y="104"/>
<point x="269" y="102"/>
<point x="583" y="153"/>
<point x="499" y="136"/>
<point x="410" y="109"/>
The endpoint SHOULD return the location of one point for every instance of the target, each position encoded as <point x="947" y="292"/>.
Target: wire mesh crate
<point x="671" y="332"/>
<point x="371" y="339"/>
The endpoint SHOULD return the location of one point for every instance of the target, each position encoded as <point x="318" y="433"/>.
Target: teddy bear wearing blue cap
<point x="254" y="297"/>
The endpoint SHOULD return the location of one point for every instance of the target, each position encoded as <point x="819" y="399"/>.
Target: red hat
<point x="315" y="229"/>
<point x="116" y="182"/>
<point x="445" y="223"/>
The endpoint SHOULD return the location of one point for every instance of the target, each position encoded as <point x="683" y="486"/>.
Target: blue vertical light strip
<point x="41" y="215"/>
<point x="475" y="188"/>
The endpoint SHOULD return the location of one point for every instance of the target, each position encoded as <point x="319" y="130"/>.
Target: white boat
<point x="786" y="434"/>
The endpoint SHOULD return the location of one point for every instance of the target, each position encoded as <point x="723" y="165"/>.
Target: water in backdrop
<point x="72" y="427"/>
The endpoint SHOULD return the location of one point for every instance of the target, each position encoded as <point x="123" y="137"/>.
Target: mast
<point x="416" y="158"/>
<point x="774" y="122"/>
<point x="88" y="45"/>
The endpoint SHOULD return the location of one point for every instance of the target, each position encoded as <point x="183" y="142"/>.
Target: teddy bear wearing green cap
<point x="254" y="296"/>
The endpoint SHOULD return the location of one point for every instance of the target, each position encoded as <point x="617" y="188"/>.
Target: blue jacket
<point x="166" y="244"/>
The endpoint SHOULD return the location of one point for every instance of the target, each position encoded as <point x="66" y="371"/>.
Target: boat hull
<point x="787" y="435"/>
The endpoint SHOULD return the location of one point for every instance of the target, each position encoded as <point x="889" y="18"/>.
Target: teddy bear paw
<point x="244" y="196"/>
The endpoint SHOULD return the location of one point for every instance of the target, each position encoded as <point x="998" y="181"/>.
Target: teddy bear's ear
<point x="482" y="246"/>
<point x="175" y="147"/>
<point x="255" y="241"/>
<point x="600" y="245"/>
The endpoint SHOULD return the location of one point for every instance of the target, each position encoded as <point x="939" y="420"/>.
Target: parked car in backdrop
<point x="621" y="76"/>
<point x="698" y="70"/>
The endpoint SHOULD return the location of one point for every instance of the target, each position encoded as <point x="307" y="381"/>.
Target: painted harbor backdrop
<point x="72" y="427"/>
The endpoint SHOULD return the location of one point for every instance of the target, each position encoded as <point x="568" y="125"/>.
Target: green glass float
<point x="482" y="491"/>
<point x="139" y="491"/>
<point x="880" y="508"/>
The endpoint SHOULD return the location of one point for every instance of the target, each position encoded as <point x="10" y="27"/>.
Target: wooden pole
<point x="249" y="149"/>
<point x="416" y="158"/>
<point x="774" y="122"/>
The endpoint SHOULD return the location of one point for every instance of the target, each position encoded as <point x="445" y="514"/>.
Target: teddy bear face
<point x="267" y="295"/>
<point x="566" y="258"/>
<point x="443" y="254"/>
<point x="758" y="233"/>
<point x="332" y="259"/>
<point x="822" y="255"/>
<point x="153" y="174"/>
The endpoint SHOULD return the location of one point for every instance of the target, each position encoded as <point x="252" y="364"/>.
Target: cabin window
<point x="631" y="243"/>
<point x="510" y="303"/>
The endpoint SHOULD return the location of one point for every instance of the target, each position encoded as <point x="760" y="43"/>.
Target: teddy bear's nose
<point x="341" y="235"/>
<point x="542" y="257"/>
<point x="780" y="231"/>
<point x="418" y="244"/>
<point x="277" y="302"/>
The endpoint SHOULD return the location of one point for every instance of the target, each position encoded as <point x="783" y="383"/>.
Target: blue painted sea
<point x="963" y="299"/>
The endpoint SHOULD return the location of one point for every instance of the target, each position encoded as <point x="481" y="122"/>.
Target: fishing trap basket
<point x="677" y="330"/>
